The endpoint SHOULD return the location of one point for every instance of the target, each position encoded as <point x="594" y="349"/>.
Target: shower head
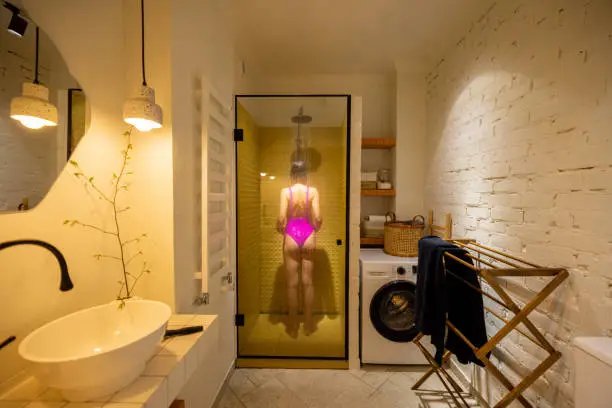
<point x="300" y="118"/>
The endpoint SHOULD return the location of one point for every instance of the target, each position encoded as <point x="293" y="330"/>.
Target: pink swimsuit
<point x="299" y="228"/>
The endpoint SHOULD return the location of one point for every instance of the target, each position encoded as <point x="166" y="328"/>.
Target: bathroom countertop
<point x="172" y="365"/>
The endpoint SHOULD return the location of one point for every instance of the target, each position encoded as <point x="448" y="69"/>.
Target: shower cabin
<point x="292" y="175"/>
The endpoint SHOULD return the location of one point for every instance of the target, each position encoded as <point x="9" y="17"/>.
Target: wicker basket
<point x="402" y="237"/>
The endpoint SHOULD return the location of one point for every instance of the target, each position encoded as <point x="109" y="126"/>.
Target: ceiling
<point x="349" y="36"/>
<point x="277" y="112"/>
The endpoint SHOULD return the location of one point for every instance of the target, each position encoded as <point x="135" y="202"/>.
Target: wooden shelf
<point x="378" y="193"/>
<point x="378" y="143"/>
<point x="372" y="241"/>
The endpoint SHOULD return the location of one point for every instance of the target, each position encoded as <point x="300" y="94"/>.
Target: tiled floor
<point x="377" y="387"/>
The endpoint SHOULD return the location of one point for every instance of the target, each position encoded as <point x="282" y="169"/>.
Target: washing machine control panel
<point x="403" y="270"/>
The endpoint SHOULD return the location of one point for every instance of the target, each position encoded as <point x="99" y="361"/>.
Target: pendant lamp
<point x="33" y="108"/>
<point x="141" y="111"/>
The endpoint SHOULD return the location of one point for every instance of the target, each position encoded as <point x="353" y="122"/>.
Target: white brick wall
<point x="519" y="123"/>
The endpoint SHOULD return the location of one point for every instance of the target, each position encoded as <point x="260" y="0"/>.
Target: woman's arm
<point x="316" y="211"/>
<point x="281" y="222"/>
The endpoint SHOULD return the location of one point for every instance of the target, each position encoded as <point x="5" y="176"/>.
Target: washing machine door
<point x="392" y="311"/>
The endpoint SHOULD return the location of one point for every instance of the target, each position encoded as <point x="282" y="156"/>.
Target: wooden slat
<point x="378" y="143"/>
<point x="525" y="272"/>
<point x="378" y="193"/>
<point x="520" y="316"/>
<point x="438" y="370"/>
<point x="372" y="241"/>
<point x="505" y="254"/>
<point x="534" y="341"/>
<point x="492" y="256"/>
<point x="528" y="380"/>
<point x="544" y="343"/>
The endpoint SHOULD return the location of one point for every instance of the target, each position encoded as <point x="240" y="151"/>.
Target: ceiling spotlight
<point x="18" y="24"/>
<point x="272" y="177"/>
<point x="263" y="174"/>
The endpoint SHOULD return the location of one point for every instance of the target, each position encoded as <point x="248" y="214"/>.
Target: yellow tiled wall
<point x="249" y="204"/>
<point x="326" y="153"/>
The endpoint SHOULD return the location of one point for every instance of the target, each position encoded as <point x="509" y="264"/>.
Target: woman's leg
<point x="307" y="271"/>
<point x="291" y="253"/>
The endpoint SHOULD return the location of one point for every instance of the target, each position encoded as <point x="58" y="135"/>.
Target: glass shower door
<point x="292" y="227"/>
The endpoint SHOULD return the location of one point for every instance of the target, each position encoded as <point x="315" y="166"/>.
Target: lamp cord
<point x="142" y="27"/>
<point x="36" y="67"/>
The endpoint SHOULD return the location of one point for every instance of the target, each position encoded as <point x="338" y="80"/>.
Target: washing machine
<point x="388" y="289"/>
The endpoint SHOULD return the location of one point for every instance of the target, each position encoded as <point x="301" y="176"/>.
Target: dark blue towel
<point x="440" y="295"/>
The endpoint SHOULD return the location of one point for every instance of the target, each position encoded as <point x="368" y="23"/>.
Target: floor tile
<point x="326" y="388"/>
<point x="229" y="400"/>
<point x="375" y="378"/>
<point x="13" y="404"/>
<point x="370" y="387"/>
<point x="240" y="384"/>
<point x="272" y="394"/>
<point x="259" y="376"/>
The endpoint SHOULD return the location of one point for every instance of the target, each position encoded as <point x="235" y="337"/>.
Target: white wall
<point x="409" y="151"/>
<point x="519" y="150"/>
<point x="91" y="38"/>
<point x="377" y="91"/>
<point x="202" y="50"/>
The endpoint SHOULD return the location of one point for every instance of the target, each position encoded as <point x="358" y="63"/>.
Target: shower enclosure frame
<point x="347" y="223"/>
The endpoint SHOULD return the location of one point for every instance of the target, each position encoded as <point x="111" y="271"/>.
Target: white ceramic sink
<point x="96" y="351"/>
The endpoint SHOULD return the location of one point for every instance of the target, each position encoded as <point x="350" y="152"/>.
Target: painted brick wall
<point x="519" y="147"/>
<point x="27" y="158"/>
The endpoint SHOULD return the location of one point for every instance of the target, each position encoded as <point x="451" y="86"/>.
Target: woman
<point x="299" y="220"/>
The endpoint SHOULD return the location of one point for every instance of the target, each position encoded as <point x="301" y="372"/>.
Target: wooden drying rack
<point x="490" y="264"/>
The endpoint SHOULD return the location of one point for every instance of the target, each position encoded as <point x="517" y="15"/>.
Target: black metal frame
<point x="69" y="122"/>
<point x="347" y="226"/>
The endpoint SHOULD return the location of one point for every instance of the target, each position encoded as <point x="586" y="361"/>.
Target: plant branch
<point x="142" y="272"/>
<point x="116" y="213"/>
<point x="88" y="180"/>
<point x="82" y="224"/>
<point x="132" y="258"/>
<point x="119" y="184"/>
<point x="100" y="256"/>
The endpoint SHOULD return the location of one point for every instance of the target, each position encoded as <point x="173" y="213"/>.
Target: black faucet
<point x="65" y="282"/>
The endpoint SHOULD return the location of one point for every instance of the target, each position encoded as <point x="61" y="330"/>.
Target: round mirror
<point x="34" y="150"/>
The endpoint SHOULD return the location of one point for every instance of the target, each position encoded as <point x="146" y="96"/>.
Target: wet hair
<point x="299" y="169"/>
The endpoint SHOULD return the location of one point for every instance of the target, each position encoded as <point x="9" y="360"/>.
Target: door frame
<point x="347" y="220"/>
